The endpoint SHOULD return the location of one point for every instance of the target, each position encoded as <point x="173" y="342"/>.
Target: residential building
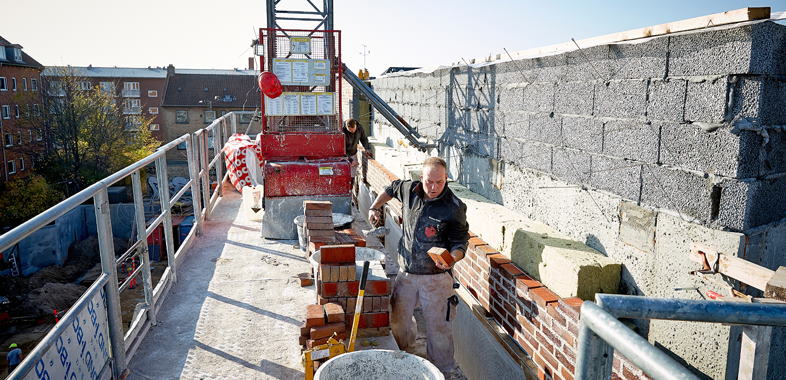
<point x="140" y="91"/>
<point x="20" y="78"/>
<point x="195" y="97"/>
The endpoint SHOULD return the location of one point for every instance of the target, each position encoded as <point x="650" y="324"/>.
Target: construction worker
<point x="353" y="135"/>
<point x="432" y="217"/>
<point x="14" y="357"/>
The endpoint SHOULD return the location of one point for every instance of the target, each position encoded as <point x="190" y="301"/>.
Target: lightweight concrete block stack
<point x="338" y="282"/>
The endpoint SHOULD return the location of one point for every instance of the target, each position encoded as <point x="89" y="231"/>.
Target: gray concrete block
<point x="676" y="190"/>
<point x="510" y="99"/>
<point x="769" y="51"/>
<point x="637" y="140"/>
<point x="745" y="95"/>
<point x="617" y="176"/>
<point x="526" y="154"/>
<point x="621" y="99"/>
<point x="546" y="128"/>
<point x="571" y="166"/>
<point x="748" y="204"/>
<point x="584" y="133"/>
<point x="666" y="99"/>
<point x="541" y="69"/>
<point x="639" y="60"/>
<point x="773" y="102"/>
<point x="538" y="97"/>
<point x="574" y="98"/>
<point x="513" y="123"/>
<point x="718" y="152"/>
<point x="774" y="153"/>
<point x="706" y="100"/>
<point x="711" y="52"/>
<point x="587" y="64"/>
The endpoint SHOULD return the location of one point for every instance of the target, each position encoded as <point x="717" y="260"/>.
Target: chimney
<point x="170" y="70"/>
<point x="251" y="63"/>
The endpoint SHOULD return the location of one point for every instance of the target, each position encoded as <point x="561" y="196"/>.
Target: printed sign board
<point x="300" y="45"/>
<point x="302" y="72"/>
<point x="300" y="104"/>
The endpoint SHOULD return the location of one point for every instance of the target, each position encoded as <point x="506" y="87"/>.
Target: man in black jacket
<point x="433" y="217"/>
<point x="353" y="135"/>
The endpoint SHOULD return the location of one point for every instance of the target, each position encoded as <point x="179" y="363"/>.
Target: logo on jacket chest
<point x="430" y="231"/>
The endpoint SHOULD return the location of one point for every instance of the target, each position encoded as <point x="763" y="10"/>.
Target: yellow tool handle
<point x="358" y="308"/>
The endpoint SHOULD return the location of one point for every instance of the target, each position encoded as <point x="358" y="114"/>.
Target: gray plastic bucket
<point x="378" y="364"/>
<point x="301" y="231"/>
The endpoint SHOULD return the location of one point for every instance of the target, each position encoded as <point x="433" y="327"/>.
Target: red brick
<point x="319" y="219"/>
<point x="565" y="360"/>
<point x="327" y="330"/>
<point x="497" y="260"/>
<point x="378" y="287"/>
<point x="329" y="289"/>
<point x="337" y="254"/>
<point x="305" y="279"/>
<point x="315" y="316"/>
<point x="616" y="363"/>
<point x="525" y="345"/>
<point x="321" y="233"/>
<point x="321" y="239"/>
<point x="566" y="336"/>
<point x="541" y="374"/>
<point x="486" y="250"/>
<point x="556" y="316"/>
<point x="350" y="305"/>
<point x="571" y="307"/>
<point x="543" y="296"/>
<point x="525" y="283"/>
<point x="510" y="271"/>
<point x="311" y="343"/>
<point x="319" y="226"/>
<point x="475" y="242"/>
<point x="441" y="256"/>
<point x="318" y="213"/>
<point x="334" y="312"/>
<point x="368" y="320"/>
<point x="553" y="364"/>
<point x="566" y="374"/>
<point x="628" y="374"/>
<point x="471" y="234"/>
<point x="318" y="205"/>
<point x="305" y="330"/>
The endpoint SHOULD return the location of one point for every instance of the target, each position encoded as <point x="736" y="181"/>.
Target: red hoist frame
<point x="304" y="156"/>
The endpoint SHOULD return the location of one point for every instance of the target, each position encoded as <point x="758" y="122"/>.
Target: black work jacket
<point x="351" y="140"/>
<point x="439" y="222"/>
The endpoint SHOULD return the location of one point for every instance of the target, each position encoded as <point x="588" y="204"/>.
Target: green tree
<point x="25" y="198"/>
<point x="89" y="135"/>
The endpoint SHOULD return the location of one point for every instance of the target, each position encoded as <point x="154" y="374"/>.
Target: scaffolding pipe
<point x="411" y="134"/>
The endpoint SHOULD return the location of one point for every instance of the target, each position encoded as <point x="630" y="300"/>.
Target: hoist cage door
<point x="308" y="65"/>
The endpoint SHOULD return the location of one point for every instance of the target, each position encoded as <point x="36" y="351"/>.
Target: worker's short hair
<point x="352" y="123"/>
<point x="435" y="161"/>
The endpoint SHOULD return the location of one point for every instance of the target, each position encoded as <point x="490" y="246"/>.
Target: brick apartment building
<point x="195" y="97"/>
<point x="20" y="78"/>
<point x="140" y="91"/>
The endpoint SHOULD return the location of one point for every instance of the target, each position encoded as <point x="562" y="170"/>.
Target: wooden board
<point x="739" y="269"/>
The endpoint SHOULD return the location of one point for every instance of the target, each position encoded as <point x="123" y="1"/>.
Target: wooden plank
<point x="739" y="269"/>
<point x="754" y="352"/>
<point x="723" y="18"/>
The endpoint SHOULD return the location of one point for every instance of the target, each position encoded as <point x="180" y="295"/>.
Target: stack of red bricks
<point x="322" y="321"/>
<point x="543" y="324"/>
<point x="319" y="224"/>
<point x="338" y="281"/>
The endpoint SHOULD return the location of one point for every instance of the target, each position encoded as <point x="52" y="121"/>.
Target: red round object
<point x="270" y="85"/>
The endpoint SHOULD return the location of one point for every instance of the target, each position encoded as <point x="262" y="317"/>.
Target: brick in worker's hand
<point x="441" y="256"/>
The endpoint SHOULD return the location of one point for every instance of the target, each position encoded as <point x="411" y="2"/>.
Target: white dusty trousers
<point x="432" y="293"/>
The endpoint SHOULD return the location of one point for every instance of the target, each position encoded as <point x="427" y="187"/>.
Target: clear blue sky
<point x="217" y="34"/>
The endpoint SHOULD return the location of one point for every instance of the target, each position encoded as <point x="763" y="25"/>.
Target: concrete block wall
<point x="686" y="128"/>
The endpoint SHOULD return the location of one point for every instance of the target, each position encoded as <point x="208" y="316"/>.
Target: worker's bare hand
<point x="374" y="217"/>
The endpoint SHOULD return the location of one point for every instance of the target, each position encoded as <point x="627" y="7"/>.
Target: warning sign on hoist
<point x="302" y="72"/>
<point x="300" y="45"/>
<point x="300" y="104"/>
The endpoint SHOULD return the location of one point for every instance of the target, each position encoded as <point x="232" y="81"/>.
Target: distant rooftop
<point x="138" y="72"/>
<point x="217" y="71"/>
<point x="7" y="57"/>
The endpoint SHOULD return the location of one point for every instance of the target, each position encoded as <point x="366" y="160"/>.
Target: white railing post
<point x="193" y="173"/>
<point x="141" y="235"/>
<point x="166" y="210"/>
<point x="204" y="153"/>
<point x="106" y="249"/>
<point x="218" y="144"/>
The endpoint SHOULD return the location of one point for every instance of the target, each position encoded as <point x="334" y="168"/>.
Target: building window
<point x="154" y="127"/>
<point x="3" y="84"/>
<point x="17" y="55"/>
<point x="6" y="112"/>
<point x="181" y="117"/>
<point x="31" y="135"/>
<point x="16" y="111"/>
<point x="13" y="84"/>
<point x="108" y="87"/>
<point x="2" y="54"/>
<point x="132" y="106"/>
<point x="181" y="146"/>
<point x="56" y="88"/>
<point x="39" y="137"/>
<point x="131" y="89"/>
<point x="34" y="84"/>
<point x="133" y="123"/>
<point x="153" y="110"/>
<point x="21" y="164"/>
<point x="152" y="93"/>
<point x="210" y="116"/>
<point x="36" y="110"/>
<point x="9" y="139"/>
<point x="11" y="167"/>
<point x="24" y="84"/>
<point x="85" y="85"/>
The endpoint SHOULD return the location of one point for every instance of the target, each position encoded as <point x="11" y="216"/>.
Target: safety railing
<point x="88" y="341"/>
<point x="601" y="332"/>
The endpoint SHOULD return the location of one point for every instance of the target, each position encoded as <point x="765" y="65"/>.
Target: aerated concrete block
<point x="676" y="190"/>
<point x="574" y="98"/>
<point x="546" y="128"/>
<point x="748" y="204"/>
<point x="538" y="97"/>
<point x="567" y="267"/>
<point x="632" y="139"/>
<point x="711" y="52"/>
<point x="513" y="123"/>
<point x="584" y="133"/>
<point x="706" y="100"/>
<point x="526" y="154"/>
<point x="638" y="60"/>
<point x="571" y="165"/>
<point x="774" y="153"/>
<point x="666" y="100"/>
<point x="587" y="64"/>
<point x="619" y="177"/>
<point x="621" y="99"/>
<point x="719" y="152"/>
<point x="769" y="53"/>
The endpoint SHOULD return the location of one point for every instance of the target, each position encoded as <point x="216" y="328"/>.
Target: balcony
<point x="132" y="110"/>
<point x="130" y="93"/>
